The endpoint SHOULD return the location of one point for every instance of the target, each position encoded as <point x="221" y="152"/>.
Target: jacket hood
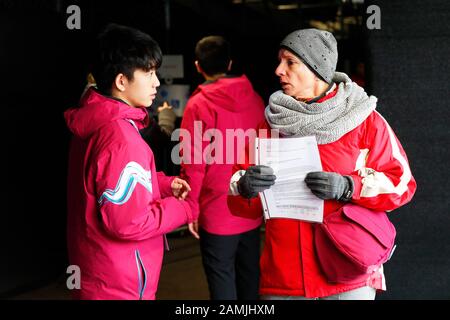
<point x="96" y="110"/>
<point x="230" y="93"/>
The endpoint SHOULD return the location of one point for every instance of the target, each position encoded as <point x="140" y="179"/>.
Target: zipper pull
<point x="166" y="243"/>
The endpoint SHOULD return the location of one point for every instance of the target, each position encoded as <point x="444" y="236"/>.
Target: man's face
<point x="295" y="77"/>
<point x="141" y="91"/>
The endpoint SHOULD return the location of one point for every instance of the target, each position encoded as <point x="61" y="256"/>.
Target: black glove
<point x="330" y="185"/>
<point x="256" y="179"/>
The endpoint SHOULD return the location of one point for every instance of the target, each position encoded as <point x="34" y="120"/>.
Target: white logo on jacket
<point x="131" y="175"/>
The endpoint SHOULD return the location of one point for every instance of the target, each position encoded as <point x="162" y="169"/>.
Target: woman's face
<point x="295" y="77"/>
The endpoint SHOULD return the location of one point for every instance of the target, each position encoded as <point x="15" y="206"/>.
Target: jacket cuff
<point x="357" y="185"/>
<point x="188" y="211"/>
<point x="195" y="212"/>
<point x="233" y="188"/>
<point x="164" y="183"/>
<point x="347" y="196"/>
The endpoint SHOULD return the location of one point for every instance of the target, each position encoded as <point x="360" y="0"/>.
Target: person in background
<point x="363" y="163"/>
<point x="90" y="82"/>
<point x="229" y="245"/>
<point x="164" y="124"/>
<point x="119" y="207"/>
<point x="166" y="118"/>
<point x="158" y="136"/>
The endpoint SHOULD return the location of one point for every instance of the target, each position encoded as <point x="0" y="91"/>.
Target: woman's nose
<point x="279" y="71"/>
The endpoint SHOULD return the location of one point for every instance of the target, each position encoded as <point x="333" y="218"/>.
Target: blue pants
<point x="231" y="264"/>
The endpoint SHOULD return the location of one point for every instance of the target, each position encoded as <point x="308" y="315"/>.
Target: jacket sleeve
<point x="165" y="183"/>
<point x="129" y="207"/>
<point x="382" y="176"/>
<point x="238" y="205"/>
<point x="193" y="166"/>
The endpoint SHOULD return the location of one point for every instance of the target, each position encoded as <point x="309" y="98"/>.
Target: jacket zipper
<point x="141" y="274"/>
<point x="166" y="243"/>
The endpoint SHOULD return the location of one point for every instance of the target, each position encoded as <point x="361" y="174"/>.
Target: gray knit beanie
<point x="316" y="48"/>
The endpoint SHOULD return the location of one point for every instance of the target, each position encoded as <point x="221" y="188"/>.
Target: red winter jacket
<point x="228" y="104"/>
<point x="373" y="156"/>
<point x="119" y="208"/>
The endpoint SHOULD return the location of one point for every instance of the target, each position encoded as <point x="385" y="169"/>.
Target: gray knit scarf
<point x="328" y="120"/>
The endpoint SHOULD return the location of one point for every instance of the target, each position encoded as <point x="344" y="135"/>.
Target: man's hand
<point x="330" y="185"/>
<point x="256" y="179"/>
<point x="193" y="229"/>
<point x="180" y="188"/>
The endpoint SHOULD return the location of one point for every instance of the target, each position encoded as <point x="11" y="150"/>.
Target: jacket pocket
<point x="142" y="275"/>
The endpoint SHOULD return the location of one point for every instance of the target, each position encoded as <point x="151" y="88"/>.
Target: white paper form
<point x="291" y="159"/>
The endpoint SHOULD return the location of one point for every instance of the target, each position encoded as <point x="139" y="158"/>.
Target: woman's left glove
<point x="330" y="185"/>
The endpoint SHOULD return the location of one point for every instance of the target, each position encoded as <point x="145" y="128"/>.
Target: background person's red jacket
<point x="227" y="103"/>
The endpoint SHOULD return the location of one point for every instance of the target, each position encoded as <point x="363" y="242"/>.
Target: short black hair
<point x="122" y="49"/>
<point x="213" y="54"/>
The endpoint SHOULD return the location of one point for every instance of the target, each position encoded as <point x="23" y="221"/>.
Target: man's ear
<point x="120" y="82"/>
<point x="197" y="66"/>
<point x="229" y="65"/>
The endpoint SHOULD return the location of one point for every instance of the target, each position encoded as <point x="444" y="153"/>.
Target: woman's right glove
<point x="256" y="179"/>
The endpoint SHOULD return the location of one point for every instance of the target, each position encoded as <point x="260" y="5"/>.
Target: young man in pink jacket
<point x="221" y="112"/>
<point x="119" y="207"/>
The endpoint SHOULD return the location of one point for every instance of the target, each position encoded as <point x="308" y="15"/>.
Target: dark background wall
<point x="409" y="73"/>
<point x="44" y="66"/>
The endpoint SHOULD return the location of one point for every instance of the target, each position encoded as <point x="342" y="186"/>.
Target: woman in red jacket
<point x="363" y="163"/>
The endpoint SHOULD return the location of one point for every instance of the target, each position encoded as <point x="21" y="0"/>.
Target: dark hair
<point x="122" y="49"/>
<point x="213" y="54"/>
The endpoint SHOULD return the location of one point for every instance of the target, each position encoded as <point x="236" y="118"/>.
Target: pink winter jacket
<point x="119" y="208"/>
<point x="228" y="104"/>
